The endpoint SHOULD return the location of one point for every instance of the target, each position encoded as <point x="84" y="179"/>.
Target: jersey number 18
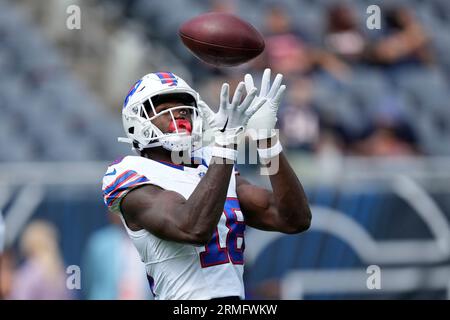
<point x="233" y="252"/>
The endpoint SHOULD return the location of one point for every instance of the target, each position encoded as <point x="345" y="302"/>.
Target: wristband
<point x="266" y="154"/>
<point x="230" y="136"/>
<point x="225" y="153"/>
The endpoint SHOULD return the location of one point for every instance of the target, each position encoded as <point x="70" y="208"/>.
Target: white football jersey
<point x="178" y="270"/>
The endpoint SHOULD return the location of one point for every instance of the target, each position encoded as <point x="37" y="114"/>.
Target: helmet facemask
<point x="148" y="135"/>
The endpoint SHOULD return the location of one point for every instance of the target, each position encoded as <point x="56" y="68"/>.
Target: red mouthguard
<point x="181" y="124"/>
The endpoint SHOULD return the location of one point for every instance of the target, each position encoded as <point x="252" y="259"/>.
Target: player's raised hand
<point x="232" y="118"/>
<point x="263" y="122"/>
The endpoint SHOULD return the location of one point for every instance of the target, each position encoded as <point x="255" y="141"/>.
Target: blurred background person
<point x="343" y="36"/>
<point x="389" y="134"/>
<point x="290" y="52"/>
<point x="404" y="40"/>
<point x="6" y="263"/>
<point x="286" y="49"/>
<point x="42" y="274"/>
<point x="112" y="268"/>
<point x="6" y="274"/>
<point x="299" y="120"/>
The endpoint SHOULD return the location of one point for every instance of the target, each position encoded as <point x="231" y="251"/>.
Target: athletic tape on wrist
<point x="225" y="153"/>
<point x="271" y="152"/>
<point x="229" y="136"/>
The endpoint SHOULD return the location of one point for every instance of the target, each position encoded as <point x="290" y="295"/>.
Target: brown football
<point x="221" y="39"/>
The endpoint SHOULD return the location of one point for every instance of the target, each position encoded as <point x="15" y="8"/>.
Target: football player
<point x="187" y="220"/>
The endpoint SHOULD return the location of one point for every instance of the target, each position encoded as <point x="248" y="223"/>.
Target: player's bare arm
<point x="285" y="209"/>
<point x="167" y="214"/>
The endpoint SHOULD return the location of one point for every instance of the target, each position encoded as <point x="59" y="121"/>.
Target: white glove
<point x="263" y="122"/>
<point x="229" y="123"/>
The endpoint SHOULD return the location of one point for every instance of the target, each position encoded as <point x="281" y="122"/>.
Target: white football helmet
<point x="139" y="111"/>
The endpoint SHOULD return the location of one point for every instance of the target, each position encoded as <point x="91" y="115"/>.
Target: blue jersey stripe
<point x="111" y="197"/>
<point x="124" y="176"/>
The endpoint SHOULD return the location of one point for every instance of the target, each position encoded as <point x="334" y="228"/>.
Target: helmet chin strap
<point x="158" y="143"/>
<point x="180" y="143"/>
<point x="170" y="146"/>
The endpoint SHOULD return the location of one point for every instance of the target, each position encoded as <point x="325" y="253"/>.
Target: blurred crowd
<point x="37" y="271"/>
<point x="328" y="109"/>
<point x="34" y="269"/>
<point x="351" y="90"/>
